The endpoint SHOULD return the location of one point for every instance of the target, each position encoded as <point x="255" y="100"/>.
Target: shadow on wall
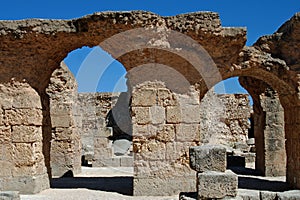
<point x="121" y="185"/>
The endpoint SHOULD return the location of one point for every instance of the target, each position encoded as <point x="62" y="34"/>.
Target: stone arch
<point x="33" y="49"/>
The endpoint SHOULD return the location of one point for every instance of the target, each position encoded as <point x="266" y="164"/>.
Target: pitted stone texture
<point x="208" y="158"/>
<point x="217" y="185"/>
<point x="9" y="195"/>
<point x="289" y="195"/>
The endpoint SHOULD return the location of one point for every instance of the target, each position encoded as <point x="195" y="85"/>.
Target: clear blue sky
<point x="261" y="17"/>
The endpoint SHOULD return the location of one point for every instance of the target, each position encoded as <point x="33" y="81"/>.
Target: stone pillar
<point x="21" y="155"/>
<point x="292" y="126"/>
<point x="273" y="134"/>
<point x="165" y="125"/>
<point x="65" y="152"/>
<point x="213" y="180"/>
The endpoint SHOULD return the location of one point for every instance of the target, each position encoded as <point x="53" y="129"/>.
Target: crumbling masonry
<point x="39" y="137"/>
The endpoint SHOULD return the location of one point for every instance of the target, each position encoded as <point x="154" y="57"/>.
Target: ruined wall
<point x="165" y="125"/>
<point x="98" y="135"/>
<point x="21" y="154"/>
<point x="225" y="118"/>
<point x="65" y="144"/>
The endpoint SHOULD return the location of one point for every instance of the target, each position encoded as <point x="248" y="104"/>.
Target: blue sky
<point x="261" y="17"/>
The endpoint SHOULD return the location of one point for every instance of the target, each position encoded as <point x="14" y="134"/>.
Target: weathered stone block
<point x="266" y="195"/>
<point x="107" y="162"/>
<point x="23" y="154"/>
<point x="163" y="186"/>
<point x="208" y="158"/>
<point x="166" y="133"/>
<point x="188" y="132"/>
<point x="249" y="194"/>
<point x="126" y="161"/>
<point x="157" y="114"/>
<point x="141" y="115"/>
<point x="6" y="168"/>
<point x="9" y="195"/>
<point x="62" y="121"/>
<point x="26" y="134"/>
<point x="211" y="184"/>
<point x="24" y="117"/>
<point x="144" y="97"/>
<point x="25" y="184"/>
<point x="5" y="134"/>
<point x="289" y="195"/>
<point x="173" y="114"/>
<point x="166" y="98"/>
<point x="190" y="113"/>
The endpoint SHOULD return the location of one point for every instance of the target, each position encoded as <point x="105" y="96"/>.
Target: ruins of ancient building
<point x="40" y="136"/>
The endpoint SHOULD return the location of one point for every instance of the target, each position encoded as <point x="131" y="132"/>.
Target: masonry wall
<point x="225" y="118"/>
<point x="21" y="155"/>
<point x="99" y="134"/>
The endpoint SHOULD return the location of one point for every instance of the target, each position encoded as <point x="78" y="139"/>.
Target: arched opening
<point x="88" y="146"/>
<point x="262" y="155"/>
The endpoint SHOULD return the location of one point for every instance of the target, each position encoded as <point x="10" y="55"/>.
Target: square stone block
<point x="216" y="185"/>
<point x="208" y="158"/>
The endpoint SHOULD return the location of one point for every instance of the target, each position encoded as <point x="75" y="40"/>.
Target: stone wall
<point x="225" y="118"/>
<point x="100" y="136"/>
<point x="165" y="125"/>
<point x="21" y="154"/>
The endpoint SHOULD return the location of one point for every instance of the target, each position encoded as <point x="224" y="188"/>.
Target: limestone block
<point x="166" y="133"/>
<point x="289" y="195"/>
<point x="126" y="161"/>
<point x="155" y="186"/>
<point x="249" y="194"/>
<point x="208" y="158"/>
<point x="29" y="99"/>
<point x="141" y="131"/>
<point x="24" y="117"/>
<point x="157" y="114"/>
<point x="101" y="142"/>
<point x="144" y="97"/>
<point x="5" y="134"/>
<point x="190" y="113"/>
<point x="107" y="162"/>
<point x="141" y="115"/>
<point x="62" y="121"/>
<point x="23" y="154"/>
<point x="104" y="132"/>
<point x="59" y="133"/>
<point x="173" y="114"/>
<point x="26" y="134"/>
<point x="150" y="149"/>
<point x="187" y="132"/>
<point x="26" y="184"/>
<point x="103" y="153"/>
<point x="211" y="184"/>
<point x="6" y="168"/>
<point x="266" y="195"/>
<point x="166" y="98"/>
<point x="9" y="195"/>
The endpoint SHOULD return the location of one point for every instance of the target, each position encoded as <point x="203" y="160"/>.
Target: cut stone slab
<point x="211" y="184"/>
<point x="249" y="194"/>
<point x="9" y="195"/>
<point x="208" y="158"/>
<point x="289" y="195"/>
